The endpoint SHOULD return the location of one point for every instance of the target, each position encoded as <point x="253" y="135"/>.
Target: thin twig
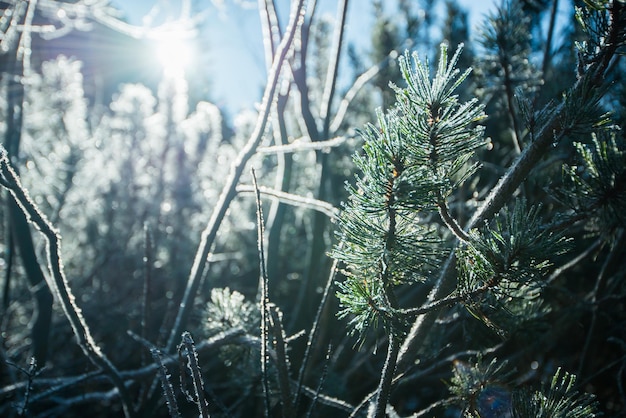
<point x="305" y="144"/>
<point x="610" y="259"/>
<point x="234" y="336"/>
<point x="452" y="224"/>
<point x="358" y="84"/>
<point x="429" y="408"/>
<point x="191" y="355"/>
<point x="282" y="361"/>
<point x="315" y="328"/>
<point x="333" y="67"/>
<point x="327" y="400"/>
<point x="321" y="381"/>
<point x="270" y="28"/>
<point x="147" y="280"/>
<point x="31" y="373"/>
<point x="573" y="262"/>
<point x="355" y="411"/>
<point x="299" y="73"/>
<point x="24" y="49"/>
<point x="294" y="200"/>
<point x="168" y="390"/>
<point x="547" y="54"/>
<point x="265" y="300"/>
<point x="510" y="99"/>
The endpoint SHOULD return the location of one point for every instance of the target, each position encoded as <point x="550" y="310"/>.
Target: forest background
<point x="245" y="258"/>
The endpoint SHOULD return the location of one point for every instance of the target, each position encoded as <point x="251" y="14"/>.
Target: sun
<point x="174" y="55"/>
<point x="174" y="51"/>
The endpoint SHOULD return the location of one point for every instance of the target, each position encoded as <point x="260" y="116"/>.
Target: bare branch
<point x="59" y="282"/>
<point x="294" y="200"/>
<point x="358" y="84"/>
<point x="229" y="190"/>
<point x="305" y="144"/>
<point x="333" y="67"/>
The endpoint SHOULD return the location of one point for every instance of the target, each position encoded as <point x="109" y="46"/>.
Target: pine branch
<point x="590" y="89"/>
<point x="407" y="167"/>
<point x="450" y="222"/>
<point x="559" y="400"/>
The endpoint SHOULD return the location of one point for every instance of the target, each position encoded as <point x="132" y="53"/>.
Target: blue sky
<point x="233" y="42"/>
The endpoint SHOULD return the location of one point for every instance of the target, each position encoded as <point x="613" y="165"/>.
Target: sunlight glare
<point x="174" y="52"/>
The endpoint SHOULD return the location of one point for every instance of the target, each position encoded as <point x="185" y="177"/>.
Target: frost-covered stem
<point x="229" y="191"/>
<point x="168" y="390"/>
<point x="378" y="408"/>
<point x="64" y="293"/>
<point x="315" y="329"/>
<point x="358" y="84"/>
<point x="196" y="375"/>
<point x="265" y="300"/>
<point x="333" y="67"/>
<point x="294" y="200"/>
<point x="510" y="96"/>
<point x="147" y="281"/>
<point x="24" y="49"/>
<point x="450" y="222"/>
<point x="547" y="54"/>
<point x="19" y="236"/>
<point x="270" y="28"/>
<point x="318" y="390"/>
<point x="305" y="143"/>
<point x="449" y="300"/>
<point x="31" y="373"/>
<point x="282" y="363"/>
<point x="306" y="119"/>
<point x="233" y="336"/>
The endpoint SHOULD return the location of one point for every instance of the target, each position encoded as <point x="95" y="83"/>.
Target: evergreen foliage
<point x="411" y="162"/>
<point x="595" y="186"/>
<point x="505" y="265"/>
<point x="561" y="399"/>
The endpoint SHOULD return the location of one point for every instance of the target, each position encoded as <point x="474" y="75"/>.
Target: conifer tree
<point x="498" y="264"/>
